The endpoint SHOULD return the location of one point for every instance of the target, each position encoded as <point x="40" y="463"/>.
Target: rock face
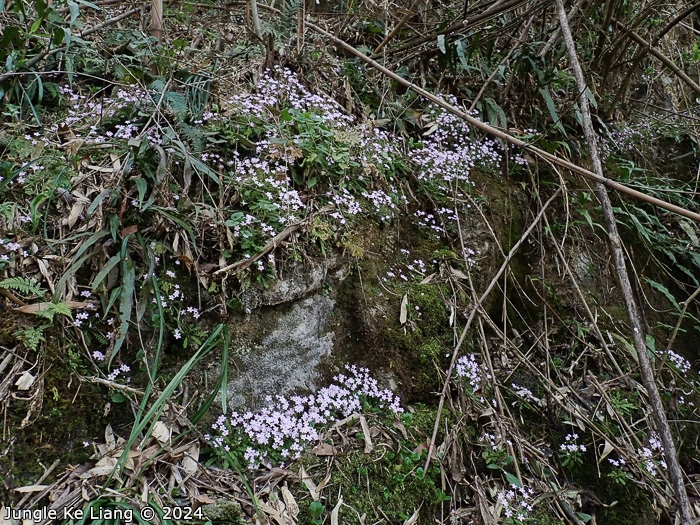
<point x="287" y="333"/>
<point x="288" y="354"/>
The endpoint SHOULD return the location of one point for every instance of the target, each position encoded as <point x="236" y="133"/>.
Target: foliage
<point x="133" y="170"/>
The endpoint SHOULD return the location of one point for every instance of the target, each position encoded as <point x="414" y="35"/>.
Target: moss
<point x="223" y="512"/>
<point x="61" y="420"/>
<point x="632" y="506"/>
<point x="381" y="480"/>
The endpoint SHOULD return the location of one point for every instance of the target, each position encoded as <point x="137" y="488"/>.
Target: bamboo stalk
<point x="509" y="138"/>
<point x="638" y="336"/>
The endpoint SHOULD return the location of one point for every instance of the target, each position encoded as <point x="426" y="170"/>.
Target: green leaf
<point x="125" y="303"/>
<point x="141" y="187"/>
<point x="114" y="225"/>
<point x="461" y="54"/>
<point x="591" y="98"/>
<point x="651" y="342"/>
<point x="552" y="109"/>
<point x="441" y="44"/>
<point x="78" y="260"/>
<point x="35" y="26"/>
<point x="74" y="10"/>
<point x="512" y="479"/>
<point x="93" y="206"/>
<point x="67" y="38"/>
<point x="661" y="288"/>
<point x="174" y="384"/>
<point x="113" y="261"/>
<point x="118" y="398"/>
<point x="22" y="285"/>
<point x="501" y="119"/>
<point x="58" y="36"/>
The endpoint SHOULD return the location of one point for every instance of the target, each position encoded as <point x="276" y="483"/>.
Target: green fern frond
<point x="177" y="102"/>
<point x="193" y="136"/>
<point x="31" y="337"/>
<point x="288" y="21"/>
<point x="22" y="285"/>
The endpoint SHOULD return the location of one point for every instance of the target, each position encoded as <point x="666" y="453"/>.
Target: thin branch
<point x="555" y="35"/>
<point x="676" y="20"/>
<point x="256" y="18"/>
<point x="398" y="26"/>
<point x="270" y="246"/>
<point x="494" y="10"/>
<point x="647" y="372"/>
<point x="506" y="137"/>
<point x="503" y="60"/>
<point x="663" y="58"/>
<point x="475" y="308"/>
<point x="685" y="304"/>
<point x="85" y="33"/>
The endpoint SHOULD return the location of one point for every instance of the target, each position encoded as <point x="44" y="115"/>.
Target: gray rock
<point x="286" y="357"/>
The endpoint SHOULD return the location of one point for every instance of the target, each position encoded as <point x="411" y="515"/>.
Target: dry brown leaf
<point x="190" y="461"/>
<point x="31" y="488"/>
<point x="488" y="513"/>
<point x="101" y="169"/>
<point x="116" y="163"/>
<point x="428" y="279"/>
<point x="175" y="471"/>
<point x="350" y="418"/>
<point x="289" y="501"/>
<point x="5" y="362"/>
<point x="128" y="230"/>
<point x="413" y="519"/>
<point x="44" y="269"/>
<point x="149" y="452"/>
<point x="204" y="499"/>
<point x="336" y="510"/>
<point x="104" y="467"/>
<point x="309" y="483"/>
<point x="37" y="307"/>
<point x="75" y="212"/>
<point x="161" y="432"/>
<point x="25" y="381"/>
<point x="273" y="512"/>
<point x="324" y="449"/>
<point x="399" y="426"/>
<point x="420" y="448"/>
<point x="110" y="441"/>
<point x="606" y="451"/>
<point x="403" y="315"/>
<point x="323" y="483"/>
<point x="458" y="273"/>
<point x="369" y="447"/>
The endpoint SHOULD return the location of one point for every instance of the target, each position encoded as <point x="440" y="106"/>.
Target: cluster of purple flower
<point x="649" y="455"/>
<point x="10" y="247"/>
<point x="517" y="502"/>
<point x="475" y="374"/>
<point x="281" y="86"/>
<point x="571" y="446"/>
<point x="524" y="393"/>
<point x="288" y="425"/>
<point x="680" y="362"/>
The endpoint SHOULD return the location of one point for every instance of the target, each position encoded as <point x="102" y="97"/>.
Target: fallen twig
<point x="647" y="372"/>
<point x="663" y="58"/>
<point x="270" y="246"/>
<point x="472" y="314"/>
<point x="509" y="138"/>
